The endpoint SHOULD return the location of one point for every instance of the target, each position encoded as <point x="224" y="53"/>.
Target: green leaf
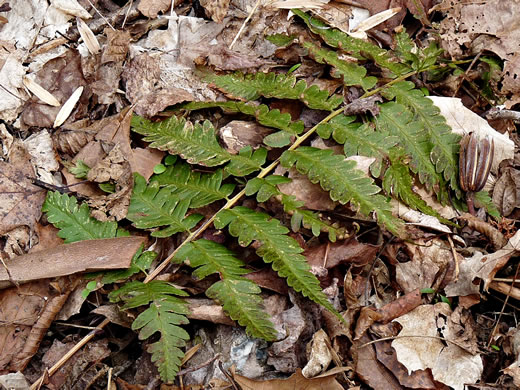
<point x="281" y="40"/>
<point x="265" y="188"/>
<point x="196" y="143"/>
<point x="75" y="222"/>
<point x="164" y="315"/>
<point x="151" y="207"/>
<point x="359" y="139"/>
<point x="444" y="144"/>
<point x="276" y="247"/>
<point x="395" y="119"/>
<point x="141" y="262"/>
<point x="344" y="182"/>
<point x="79" y="170"/>
<point x="353" y="74"/>
<point x="239" y="296"/>
<point x="201" y="188"/>
<point x="272" y="85"/>
<point x="357" y="47"/>
<point x="482" y="199"/>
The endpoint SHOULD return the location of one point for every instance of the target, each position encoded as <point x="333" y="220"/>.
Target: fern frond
<point x="141" y="262"/>
<point x="418" y="59"/>
<point x="164" y="315"/>
<point x="201" y="188"/>
<point x="353" y="74"/>
<point x="310" y="220"/>
<point x="152" y="207"/>
<point x="445" y="144"/>
<point x="395" y="119"/>
<point x="239" y="296"/>
<point x="265" y="188"/>
<point x="356" y="47"/>
<point x="75" y="222"/>
<point x="272" y="85"/>
<point x="359" y="139"/>
<point x="344" y="182"/>
<point x="275" y="247"/>
<point x="196" y="143"/>
<point x="398" y="181"/>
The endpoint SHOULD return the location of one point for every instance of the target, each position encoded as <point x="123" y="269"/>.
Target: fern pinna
<point x="405" y="135"/>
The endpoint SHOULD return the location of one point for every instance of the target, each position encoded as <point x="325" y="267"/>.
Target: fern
<point x="152" y="207"/>
<point x="197" y="144"/>
<point x="444" y="145"/>
<point x="164" y="314"/>
<point x="275" y="247"/>
<point x="356" y="47"/>
<point x="359" y="139"/>
<point x="200" y="188"/>
<point x="352" y="74"/>
<point x="239" y="296"/>
<point x="265" y="188"/>
<point x="271" y="85"/>
<point x="75" y="222"/>
<point x="343" y="181"/>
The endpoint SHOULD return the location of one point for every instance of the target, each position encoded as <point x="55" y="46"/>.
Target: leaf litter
<point x="412" y="309"/>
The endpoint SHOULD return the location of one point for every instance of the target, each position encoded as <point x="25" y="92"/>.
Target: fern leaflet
<point x="164" y="315"/>
<point x="272" y="85"/>
<point x="274" y="247"/>
<point x="151" y="207"/>
<point x="239" y="296"/>
<point x="196" y="143"/>
<point x="445" y="144"/>
<point x="201" y="188"/>
<point x="343" y="181"/>
<point x="352" y="73"/>
<point x="75" y="222"/>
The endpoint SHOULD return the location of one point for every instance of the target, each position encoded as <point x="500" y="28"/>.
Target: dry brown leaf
<point x="216" y="9"/>
<point x="151" y="8"/>
<point x="400" y="306"/>
<point x="295" y="381"/>
<point x="208" y="310"/>
<point x="506" y="195"/>
<point x="319" y="355"/>
<point x="82" y="256"/>
<point x="20" y="200"/>
<point x="343" y="252"/>
<point x="238" y="134"/>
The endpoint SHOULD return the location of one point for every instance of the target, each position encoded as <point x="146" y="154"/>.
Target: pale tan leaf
<point x="67" y="108"/>
<point x="88" y="37"/>
<point x="40" y="92"/>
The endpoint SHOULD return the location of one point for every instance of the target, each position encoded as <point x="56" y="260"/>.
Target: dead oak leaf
<point x="295" y="381"/>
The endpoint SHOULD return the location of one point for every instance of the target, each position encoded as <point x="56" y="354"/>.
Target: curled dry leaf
<point x="67" y="108"/>
<point x="40" y="92"/>
<point x="88" y="37"/>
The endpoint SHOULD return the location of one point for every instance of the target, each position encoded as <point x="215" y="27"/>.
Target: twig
<point x="226" y="374"/>
<point x="202" y="365"/>
<point x="244" y="24"/>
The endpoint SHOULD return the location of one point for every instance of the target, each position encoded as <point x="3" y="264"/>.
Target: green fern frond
<point x="239" y="296"/>
<point x="398" y="181"/>
<point x="357" y="47"/>
<point x="201" y="188"/>
<point x="197" y="144"/>
<point x="310" y="220"/>
<point x="395" y="119"/>
<point x="75" y="222"/>
<point x="152" y="207"/>
<point x="265" y="188"/>
<point x="445" y="144"/>
<point x="164" y="315"/>
<point x="344" y="182"/>
<point x="275" y="247"/>
<point x="482" y="199"/>
<point x="272" y="85"/>
<point x="353" y="74"/>
<point x="418" y="59"/>
<point x="141" y="262"/>
<point x="359" y="139"/>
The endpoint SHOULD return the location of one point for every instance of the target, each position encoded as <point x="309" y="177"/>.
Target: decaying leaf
<point x="295" y="381"/>
<point x="216" y="9"/>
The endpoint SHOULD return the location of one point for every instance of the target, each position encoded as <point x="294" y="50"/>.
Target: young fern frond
<point x="152" y="207"/>
<point x="200" y="188"/>
<point x="75" y="222"/>
<point x="344" y="182"/>
<point x="445" y="144"/>
<point x="272" y="85"/>
<point x="276" y="247"/>
<point x="197" y="144"/>
<point x="238" y="296"/>
<point x="164" y="314"/>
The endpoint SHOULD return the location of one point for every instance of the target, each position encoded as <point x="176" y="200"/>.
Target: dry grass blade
<point x="40" y="92"/>
<point x="376" y="19"/>
<point x="68" y="107"/>
<point x="88" y="37"/>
